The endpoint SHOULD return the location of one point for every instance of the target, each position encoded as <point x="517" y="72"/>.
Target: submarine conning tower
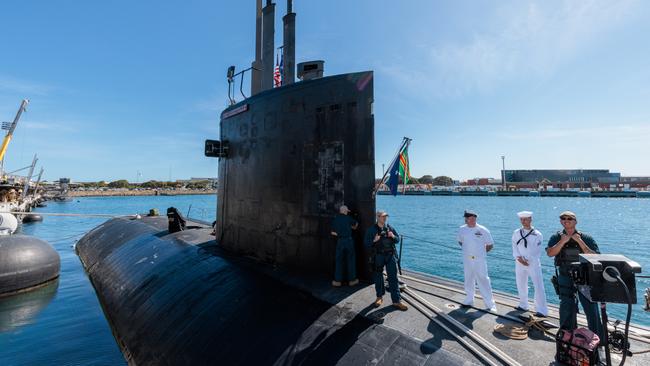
<point x="292" y="156"/>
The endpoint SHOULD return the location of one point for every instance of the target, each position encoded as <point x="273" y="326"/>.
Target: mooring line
<point x="67" y="214"/>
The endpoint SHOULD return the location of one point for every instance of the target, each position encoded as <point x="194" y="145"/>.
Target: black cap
<point x="469" y="213"/>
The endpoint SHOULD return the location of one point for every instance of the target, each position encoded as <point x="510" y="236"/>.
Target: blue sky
<point x="125" y="86"/>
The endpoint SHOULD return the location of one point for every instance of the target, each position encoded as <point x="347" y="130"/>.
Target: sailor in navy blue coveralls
<point x="342" y="227"/>
<point x="381" y="239"/>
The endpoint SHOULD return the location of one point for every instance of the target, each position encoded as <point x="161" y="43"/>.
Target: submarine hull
<point x="170" y="300"/>
<point x="179" y="299"/>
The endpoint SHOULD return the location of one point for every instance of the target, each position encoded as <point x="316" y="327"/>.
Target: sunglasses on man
<point x="565" y="218"/>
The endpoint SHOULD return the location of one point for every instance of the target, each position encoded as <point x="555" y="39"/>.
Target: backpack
<point x="577" y="347"/>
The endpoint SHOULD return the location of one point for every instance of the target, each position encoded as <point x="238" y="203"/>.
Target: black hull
<point x="296" y="154"/>
<point x="178" y="299"/>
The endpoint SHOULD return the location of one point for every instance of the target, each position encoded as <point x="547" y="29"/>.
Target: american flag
<point x="277" y="74"/>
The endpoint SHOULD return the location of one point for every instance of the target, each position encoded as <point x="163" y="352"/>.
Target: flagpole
<point x="405" y="141"/>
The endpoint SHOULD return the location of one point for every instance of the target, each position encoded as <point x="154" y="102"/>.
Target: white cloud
<point x="613" y="135"/>
<point x="49" y="126"/>
<point x="524" y="40"/>
<point x="24" y="87"/>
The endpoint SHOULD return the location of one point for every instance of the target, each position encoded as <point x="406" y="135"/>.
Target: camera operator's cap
<point x="469" y="213"/>
<point x="525" y="214"/>
<point x="382" y="213"/>
<point x="568" y="213"/>
<point x="344" y="209"/>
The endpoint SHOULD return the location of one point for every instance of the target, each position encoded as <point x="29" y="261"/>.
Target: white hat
<point x="524" y="214"/>
<point x="344" y="209"/>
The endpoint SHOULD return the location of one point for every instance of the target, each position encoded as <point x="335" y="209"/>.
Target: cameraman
<point x="566" y="246"/>
<point x="381" y="239"/>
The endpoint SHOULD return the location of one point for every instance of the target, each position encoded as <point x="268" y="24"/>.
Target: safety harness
<point x="385" y="246"/>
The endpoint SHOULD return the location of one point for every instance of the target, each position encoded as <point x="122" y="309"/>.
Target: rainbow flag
<point x="404" y="170"/>
<point x="399" y="168"/>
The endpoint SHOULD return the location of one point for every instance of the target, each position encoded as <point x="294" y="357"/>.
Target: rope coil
<point x="520" y="331"/>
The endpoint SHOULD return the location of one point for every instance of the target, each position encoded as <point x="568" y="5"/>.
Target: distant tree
<point x="151" y="184"/>
<point x="102" y="184"/>
<point x="426" y="179"/>
<point x="122" y="183"/>
<point x="442" y="181"/>
<point x="202" y="184"/>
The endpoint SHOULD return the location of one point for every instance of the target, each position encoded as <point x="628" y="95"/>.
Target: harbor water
<point x="63" y="323"/>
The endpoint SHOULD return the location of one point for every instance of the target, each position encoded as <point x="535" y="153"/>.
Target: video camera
<point x="595" y="275"/>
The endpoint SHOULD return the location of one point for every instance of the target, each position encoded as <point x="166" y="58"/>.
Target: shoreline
<point x="147" y="192"/>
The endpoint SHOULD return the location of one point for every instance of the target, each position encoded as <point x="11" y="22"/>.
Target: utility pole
<point x="503" y="172"/>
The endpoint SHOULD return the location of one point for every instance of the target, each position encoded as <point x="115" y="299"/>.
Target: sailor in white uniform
<point x="475" y="241"/>
<point x="527" y="249"/>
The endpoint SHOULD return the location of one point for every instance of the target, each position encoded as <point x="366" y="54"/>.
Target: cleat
<point x="336" y="283"/>
<point x="400" y="306"/>
<point x="378" y="302"/>
<point x="353" y="282"/>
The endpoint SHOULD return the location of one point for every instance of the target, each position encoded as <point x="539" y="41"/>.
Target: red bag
<point x="580" y="345"/>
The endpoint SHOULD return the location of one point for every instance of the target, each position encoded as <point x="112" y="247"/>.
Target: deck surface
<point x="446" y="295"/>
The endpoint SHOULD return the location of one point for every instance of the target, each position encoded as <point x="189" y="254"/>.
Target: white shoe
<point x="493" y="308"/>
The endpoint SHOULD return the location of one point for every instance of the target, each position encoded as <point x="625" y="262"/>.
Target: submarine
<point x="254" y="287"/>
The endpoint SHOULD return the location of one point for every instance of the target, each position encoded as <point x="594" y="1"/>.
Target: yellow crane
<point x="11" y="128"/>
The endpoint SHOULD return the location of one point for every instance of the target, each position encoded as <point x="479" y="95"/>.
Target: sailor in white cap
<point x="475" y="241"/>
<point x="527" y="249"/>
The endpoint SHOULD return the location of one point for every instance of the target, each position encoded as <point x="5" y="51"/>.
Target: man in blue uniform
<point x="381" y="239"/>
<point x="342" y="227"/>
<point x="566" y="246"/>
